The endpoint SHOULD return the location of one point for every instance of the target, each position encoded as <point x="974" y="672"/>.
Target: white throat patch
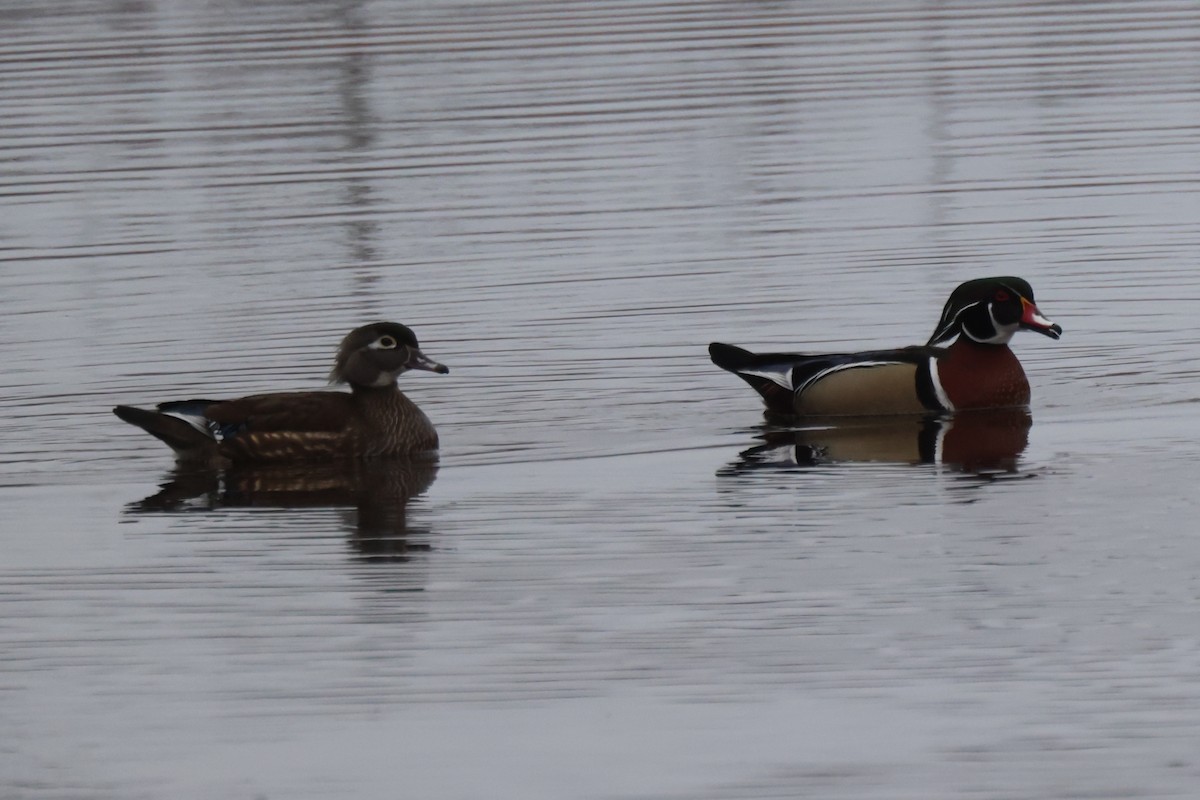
<point x="1003" y="335"/>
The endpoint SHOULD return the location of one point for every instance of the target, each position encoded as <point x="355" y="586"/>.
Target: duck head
<point x="990" y="311"/>
<point x="375" y="355"/>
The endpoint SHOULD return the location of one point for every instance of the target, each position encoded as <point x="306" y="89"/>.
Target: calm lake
<point x="617" y="583"/>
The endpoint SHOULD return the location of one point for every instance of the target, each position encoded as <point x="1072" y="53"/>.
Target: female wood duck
<point x="373" y="420"/>
<point x="976" y="371"/>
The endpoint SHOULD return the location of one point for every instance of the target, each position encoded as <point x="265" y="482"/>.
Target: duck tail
<point x="770" y="375"/>
<point x="728" y="357"/>
<point x="184" y="435"/>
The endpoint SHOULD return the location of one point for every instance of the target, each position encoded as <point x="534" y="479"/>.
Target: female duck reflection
<point x="378" y="491"/>
<point x="372" y="447"/>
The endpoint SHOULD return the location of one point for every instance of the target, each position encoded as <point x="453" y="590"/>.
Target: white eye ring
<point x="385" y="343"/>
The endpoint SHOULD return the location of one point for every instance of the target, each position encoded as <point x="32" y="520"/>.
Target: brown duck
<point x="977" y="371"/>
<point x="373" y="420"/>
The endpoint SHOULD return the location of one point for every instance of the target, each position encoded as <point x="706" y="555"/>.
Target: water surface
<point x="614" y="585"/>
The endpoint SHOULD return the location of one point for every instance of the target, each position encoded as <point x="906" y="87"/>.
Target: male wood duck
<point x="977" y="371"/>
<point x="373" y="420"/>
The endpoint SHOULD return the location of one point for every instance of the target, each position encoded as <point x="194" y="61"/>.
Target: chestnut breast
<point x="982" y="376"/>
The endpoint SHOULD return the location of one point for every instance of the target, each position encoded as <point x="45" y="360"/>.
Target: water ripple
<point x="566" y="203"/>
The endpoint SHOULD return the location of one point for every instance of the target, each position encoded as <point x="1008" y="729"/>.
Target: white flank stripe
<point x="938" y="389"/>
<point x="842" y="367"/>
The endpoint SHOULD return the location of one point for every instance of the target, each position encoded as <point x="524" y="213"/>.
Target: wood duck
<point x="373" y="420"/>
<point x="977" y="371"/>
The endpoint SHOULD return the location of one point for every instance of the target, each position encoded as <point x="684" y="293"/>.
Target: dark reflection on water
<point x="974" y="442"/>
<point x="378" y="492"/>
<point x="568" y="200"/>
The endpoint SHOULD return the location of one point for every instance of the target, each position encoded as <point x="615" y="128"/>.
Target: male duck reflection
<point x="373" y="420"/>
<point x="977" y="371"/>
<point x="983" y="442"/>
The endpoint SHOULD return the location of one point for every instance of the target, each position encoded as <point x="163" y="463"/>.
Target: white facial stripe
<point x="953" y="322"/>
<point x="1003" y="335"/>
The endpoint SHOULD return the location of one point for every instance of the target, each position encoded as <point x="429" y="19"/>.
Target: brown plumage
<point x="373" y="420"/>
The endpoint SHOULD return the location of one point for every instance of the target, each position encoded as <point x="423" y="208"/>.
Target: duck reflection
<point x="974" y="441"/>
<point x="378" y="491"/>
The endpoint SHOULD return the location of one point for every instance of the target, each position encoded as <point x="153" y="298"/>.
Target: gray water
<point x="612" y="587"/>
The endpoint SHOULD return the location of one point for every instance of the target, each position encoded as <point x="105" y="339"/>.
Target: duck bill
<point x="1032" y="320"/>
<point x="418" y="360"/>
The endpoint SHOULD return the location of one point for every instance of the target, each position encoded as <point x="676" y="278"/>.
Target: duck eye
<point x="1001" y="296"/>
<point x="386" y="343"/>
